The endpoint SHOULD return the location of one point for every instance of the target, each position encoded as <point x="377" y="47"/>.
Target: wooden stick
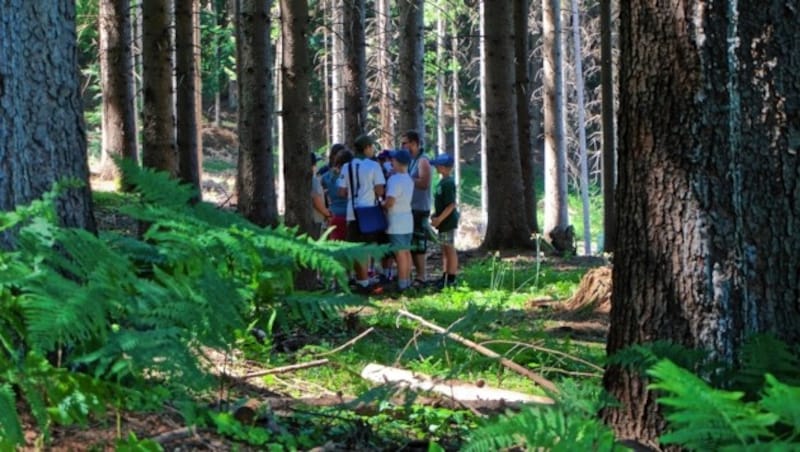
<point x="538" y="379"/>
<point x="174" y="435"/>
<point x="348" y="343"/>
<point x="284" y="369"/>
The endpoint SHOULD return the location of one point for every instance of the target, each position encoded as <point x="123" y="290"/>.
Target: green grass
<point x="218" y="165"/>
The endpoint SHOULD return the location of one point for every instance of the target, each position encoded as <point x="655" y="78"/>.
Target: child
<point x="445" y="218"/>
<point x="399" y="189"/>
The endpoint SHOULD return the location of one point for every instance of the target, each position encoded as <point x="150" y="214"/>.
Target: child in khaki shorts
<point x="445" y="218"/>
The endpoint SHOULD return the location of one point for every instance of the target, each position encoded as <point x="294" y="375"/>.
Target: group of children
<point x="357" y="178"/>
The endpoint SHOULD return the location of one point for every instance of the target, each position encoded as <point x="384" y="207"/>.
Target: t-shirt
<point x="316" y="189"/>
<point x="337" y="204"/>
<point x="367" y="175"/>
<point x="422" y="196"/>
<point x="401" y="188"/>
<point x="444" y="196"/>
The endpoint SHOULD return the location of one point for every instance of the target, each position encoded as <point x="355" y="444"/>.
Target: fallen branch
<point x="460" y="392"/>
<point x="348" y="343"/>
<point x="285" y="369"/>
<point x="174" y="435"/>
<point x="536" y="378"/>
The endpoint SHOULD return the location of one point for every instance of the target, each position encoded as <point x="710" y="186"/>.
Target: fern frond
<point x="641" y="357"/>
<point x="10" y="425"/>
<point x="156" y="187"/>
<point x="762" y="354"/>
<point x="783" y="400"/>
<point x="705" y="418"/>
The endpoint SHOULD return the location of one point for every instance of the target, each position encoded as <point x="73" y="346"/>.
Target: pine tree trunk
<point x="522" y="67"/>
<point x="609" y="139"/>
<point x="385" y="72"/>
<point x="441" y="92"/>
<point x="507" y="227"/>
<point x="158" y="111"/>
<point x="187" y="126"/>
<point x="583" y="165"/>
<point x="116" y="72"/>
<point x="410" y="101"/>
<point x="42" y="135"/>
<point x="337" y="75"/>
<point x="708" y="248"/>
<point x="255" y="179"/>
<point x="355" y="68"/>
<point x="557" y="230"/>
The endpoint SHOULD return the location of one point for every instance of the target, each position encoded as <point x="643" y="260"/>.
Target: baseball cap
<point x="443" y="160"/>
<point x="401" y="155"/>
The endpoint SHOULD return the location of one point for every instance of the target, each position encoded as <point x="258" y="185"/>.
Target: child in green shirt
<point x="445" y="217"/>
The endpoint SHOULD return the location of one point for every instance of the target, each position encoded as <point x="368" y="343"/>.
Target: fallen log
<point x="460" y="392"/>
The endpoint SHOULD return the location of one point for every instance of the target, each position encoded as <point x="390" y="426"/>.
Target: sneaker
<point x="372" y="289"/>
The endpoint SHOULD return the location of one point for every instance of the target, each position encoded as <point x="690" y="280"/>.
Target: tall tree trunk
<point x="158" y="111"/>
<point x="116" y="72"/>
<point x="410" y="101"/>
<point x="295" y="76"/>
<point x="355" y="68"/>
<point x="385" y="71"/>
<point x="484" y="131"/>
<point x="255" y="178"/>
<point x="708" y="200"/>
<point x="609" y="140"/>
<point x="507" y="227"/>
<point x="188" y="156"/>
<point x="522" y="67"/>
<point x="557" y="230"/>
<point x="441" y="92"/>
<point x="584" y="166"/>
<point x="456" y="111"/>
<point x="338" y="108"/>
<point x="42" y="135"/>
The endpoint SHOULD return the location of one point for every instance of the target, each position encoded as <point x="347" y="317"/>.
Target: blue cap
<point x="402" y="156"/>
<point x="443" y="160"/>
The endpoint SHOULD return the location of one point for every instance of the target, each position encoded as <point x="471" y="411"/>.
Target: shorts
<point x="419" y="240"/>
<point x="354" y="234"/>
<point x="400" y="240"/>
<point x="447" y="237"/>
<point x="339" y="223"/>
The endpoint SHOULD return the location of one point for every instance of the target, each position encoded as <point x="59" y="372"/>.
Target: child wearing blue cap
<point x="445" y="218"/>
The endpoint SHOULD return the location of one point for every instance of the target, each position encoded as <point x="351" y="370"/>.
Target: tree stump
<point x="593" y="295"/>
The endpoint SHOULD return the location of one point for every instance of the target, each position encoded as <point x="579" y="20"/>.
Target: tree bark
<point x="708" y="201"/>
<point x="410" y="101"/>
<point x="255" y="178"/>
<point x="355" y="69"/>
<point x="507" y="227"/>
<point x="116" y="72"/>
<point x="609" y="138"/>
<point x="338" y="108"/>
<point x="557" y="230"/>
<point x="42" y="135"/>
<point x="158" y="110"/>
<point x="385" y="72"/>
<point x="523" y="93"/>
<point x="581" y="125"/>
<point x="188" y="145"/>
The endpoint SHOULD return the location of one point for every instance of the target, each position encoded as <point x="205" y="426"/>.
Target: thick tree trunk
<point x="116" y="75"/>
<point x="507" y="227"/>
<point x="158" y="111"/>
<point x="42" y="136"/>
<point x="188" y="145"/>
<point x="557" y="230"/>
<point x="522" y="67"/>
<point x="255" y="179"/>
<point x="355" y="69"/>
<point x="708" y="200"/>
<point x="410" y="97"/>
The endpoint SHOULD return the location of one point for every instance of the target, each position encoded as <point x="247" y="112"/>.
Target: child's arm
<point x="437" y="220"/>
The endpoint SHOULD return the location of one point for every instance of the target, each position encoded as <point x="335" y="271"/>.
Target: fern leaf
<point x="705" y="418"/>
<point x="783" y="400"/>
<point x="10" y="426"/>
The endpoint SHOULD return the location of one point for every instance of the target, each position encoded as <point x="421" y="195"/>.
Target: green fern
<point x="10" y="426"/>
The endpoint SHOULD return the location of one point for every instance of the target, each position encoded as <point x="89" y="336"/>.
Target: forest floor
<point x="584" y="315"/>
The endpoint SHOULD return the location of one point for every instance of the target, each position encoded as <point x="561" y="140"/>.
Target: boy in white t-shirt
<point x="365" y="185"/>
<point x="399" y="190"/>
